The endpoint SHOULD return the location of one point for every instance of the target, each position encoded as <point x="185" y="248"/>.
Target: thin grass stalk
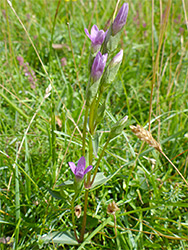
<point x="52" y="34"/>
<point x="27" y="170"/>
<point x="53" y="103"/>
<point x="76" y="69"/>
<point x="155" y="66"/>
<point x="17" y="203"/>
<point x="174" y="167"/>
<point x="14" y="106"/>
<point x="185" y="13"/>
<point x="53" y="140"/>
<point x="17" y="108"/>
<point x="9" y="34"/>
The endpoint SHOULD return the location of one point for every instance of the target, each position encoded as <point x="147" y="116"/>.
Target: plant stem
<point x="84" y="131"/>
<point x="73" y="217"/>
<point x="93" y="108"/>
<point x="53" y="149"/>
<point x="87" y="184"/>
<point x="17" y="203"/>
<point x="84" y="217"/>
<point x="100" y="157"/>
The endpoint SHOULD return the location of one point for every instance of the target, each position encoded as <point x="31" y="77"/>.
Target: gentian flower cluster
<point x="97" y="38"/>
<point x="100" y="79"/>
<point x="103" y="45"/>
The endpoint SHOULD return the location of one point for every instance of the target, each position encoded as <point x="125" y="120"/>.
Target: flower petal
<point x="79" y="173"/>
<point x="100" y="37"/>
<point x="81" y="162"/>
<point x="104" y="59"/>
<point x="87" y="33"/>
<point x="72" y="166"/>
<point x="94" y="31"/>
<point x="88" y="169"/>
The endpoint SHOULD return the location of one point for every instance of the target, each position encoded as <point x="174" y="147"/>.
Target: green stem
<point x="87" y="184"/>
<point x="17" y="205"/>
<point x="84" y="216"/>
<point x="89" y="174"/>
<point x="96" y="109"/>
<point x="73" y="217"/>
<point x="93" y="109"/>
<point x="100" y="157"/>
<point x="87" y="191"/>
<point x="84" y="131"/>
<point x="52" y="102"/>
<point x="52" y="34"/>
<point x="53" y="138"/>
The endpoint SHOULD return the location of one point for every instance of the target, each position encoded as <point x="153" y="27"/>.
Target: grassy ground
<point x="39" y="135"/>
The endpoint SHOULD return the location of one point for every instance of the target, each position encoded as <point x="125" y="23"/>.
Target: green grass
<point x="151" y="195"/>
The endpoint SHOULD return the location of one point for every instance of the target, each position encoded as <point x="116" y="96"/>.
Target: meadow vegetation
<point x="43" y="42"/>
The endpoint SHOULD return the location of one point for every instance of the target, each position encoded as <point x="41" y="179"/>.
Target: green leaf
<point x="91" y="222"/>
<point x="56" y="194"/>
<point x="59" y="237"/>
<point x="68" y="183"/>
<point x="99" y="179"/>
<point x="95" y="142"/>
<point x="94" y="232"/>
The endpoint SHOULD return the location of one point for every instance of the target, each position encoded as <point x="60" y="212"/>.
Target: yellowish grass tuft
<point x="146" y="136"/>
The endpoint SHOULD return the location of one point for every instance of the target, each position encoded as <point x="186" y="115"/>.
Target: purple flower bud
<point x="120" y="19"/>
<point x="98" y="66"/>
<point x="63" y="61"/>
<point x="80" y="170"/>
<point x="117" y="59"/>
<point x="20" y="60"/>
<point x="97" y="37"/>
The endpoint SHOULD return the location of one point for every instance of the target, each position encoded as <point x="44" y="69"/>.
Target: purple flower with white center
<point x="120" y="19"/>
<point x="98" y="66"/>
<point x="80" y="170"/>
<point x="97" y="37"/>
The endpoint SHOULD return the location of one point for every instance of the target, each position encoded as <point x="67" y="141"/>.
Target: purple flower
<point x="28" y="71"/>
<point x="97" y="37"/>
<point x="120" y="19"/>
<point x="63" y="61"/>
<point x="117" y="58"/>
<point x="98" y="66"/>
<point x="80" y="170"/>
<point x="20" y="60"/>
